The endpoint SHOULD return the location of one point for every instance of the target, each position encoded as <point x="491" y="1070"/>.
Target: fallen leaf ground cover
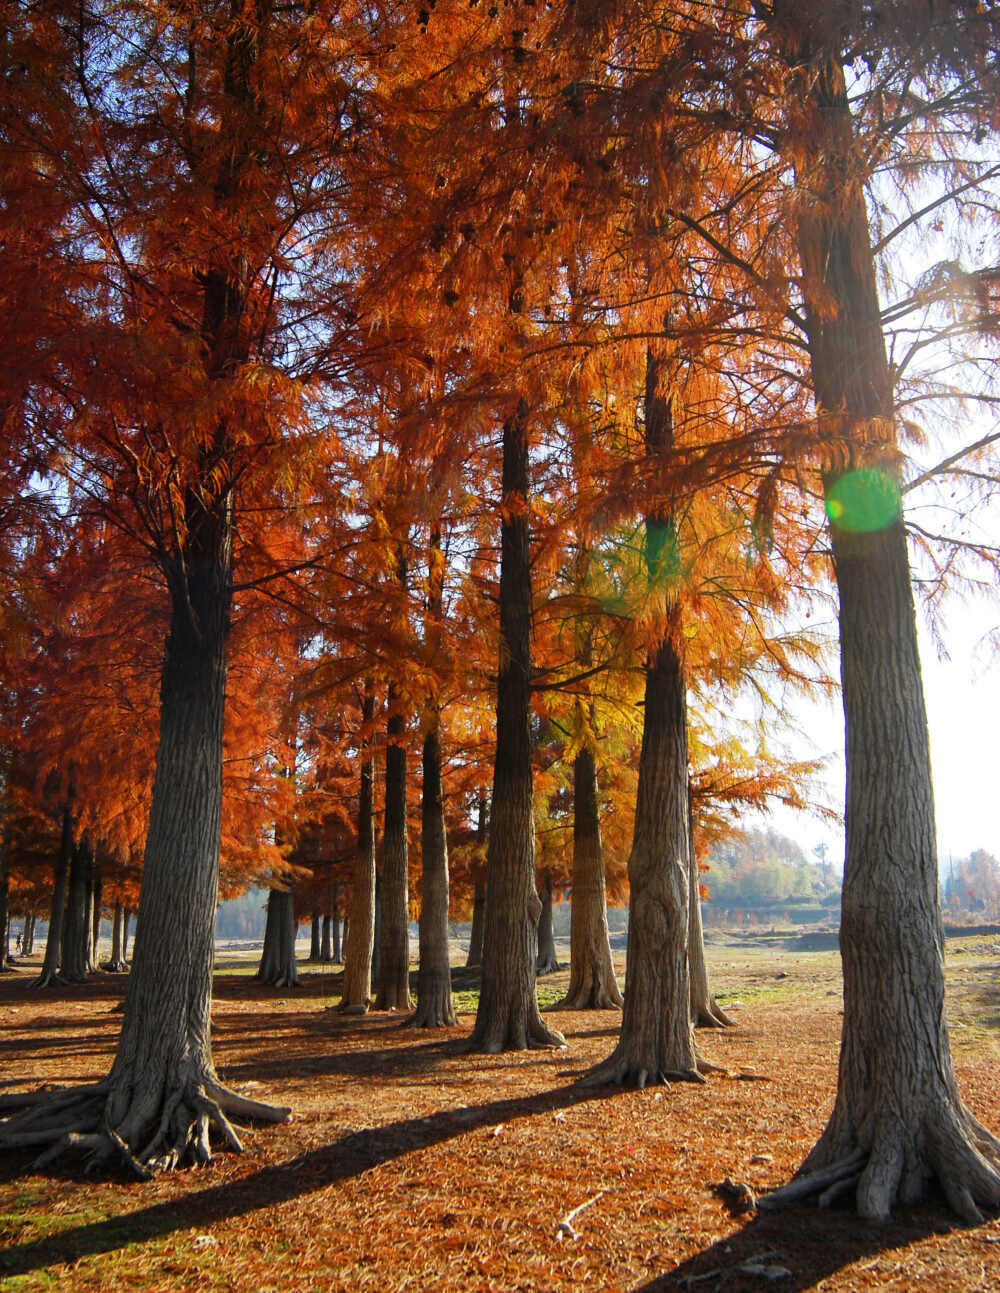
<point x="411" y="1164"/>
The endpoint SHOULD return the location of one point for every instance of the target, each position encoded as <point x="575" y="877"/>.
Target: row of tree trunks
<point x="119" y="934"/>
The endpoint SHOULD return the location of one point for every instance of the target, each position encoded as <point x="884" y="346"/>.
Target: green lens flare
<point x="864" y="500"/>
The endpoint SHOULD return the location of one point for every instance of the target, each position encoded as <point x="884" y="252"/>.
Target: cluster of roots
<point x="61" y="1120"/>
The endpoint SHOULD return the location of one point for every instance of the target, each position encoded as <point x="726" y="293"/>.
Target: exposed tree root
<point x="49" y="979"/>
<point x="623" y="1072"/>
<point x="434" y="1010"/>
<point x="711" y="1015"/>
<point x="899" y="1164"/>
<point x="74" y="1120"/>
<point x="590" y="997"/>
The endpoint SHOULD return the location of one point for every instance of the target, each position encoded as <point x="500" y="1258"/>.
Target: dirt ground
<point x="409" y="1164"/>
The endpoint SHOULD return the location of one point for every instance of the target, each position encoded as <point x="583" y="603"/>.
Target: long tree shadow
<point x="794" y="1250"/>
<point x="315" y="1170"/>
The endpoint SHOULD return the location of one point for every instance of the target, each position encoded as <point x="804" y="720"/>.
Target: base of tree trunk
<point x="593" y="991"/>
<point x="547" y="965"/>
<point x="116" y="967"/>
<point x="192" y="1111"/>
<point x="623" y="1070"/>
<point x="709" y="1014"/>
<point x="50" y="979"/>
<point x="434" y="1010"/>
<point x="899" y="1163"/>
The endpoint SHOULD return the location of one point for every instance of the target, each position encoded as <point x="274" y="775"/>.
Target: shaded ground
<point x="410" y="1165"/>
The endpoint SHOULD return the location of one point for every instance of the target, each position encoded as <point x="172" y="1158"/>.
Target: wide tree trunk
<point x="356" y="994"/>
<point x="277" y="962"/>
<point x="592" y="982"/>
<point x="898" y="1125"/>
<point x="76" y="924"/>
<point x="315" y="939"/>
<point x="435" y="1008"/>
<point x="705" y="1010"/>
<point x="52" y="960"/>
<point x="657" y="1041"/>
<point x="394" y="941"/>
<point x="508" y="1017"/>
<point x="545" y="954"/>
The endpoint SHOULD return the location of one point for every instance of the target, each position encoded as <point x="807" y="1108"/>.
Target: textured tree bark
<point x="434" y="1004"/>
<point x="126" y="917"/>
<point x="277" y="963"/>
<point x="508" y="1017"/>
<point x="592" y="982"/>
<point x="394" y="944"/>
<point x="315" y="939"/>
<point x="326" y="945"/>
<point x="657" y="1041"/>
<point x="355" y="998"/>
<point x="705" y="1010"/>
<point x="898" y="1124"/>
<point x="28" y="938"/>
<point x="545" y="956"/>
<point x="52" y="960"/>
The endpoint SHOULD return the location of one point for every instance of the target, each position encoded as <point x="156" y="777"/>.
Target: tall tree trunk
<point x="435" y="1008"/>
<point x="325" y="942"/>
<point x="508" y="1017"/>
<point x="4" y="897"/>
<point x="545" y="956"/>
<point x="52" y="960"/>
<point x="117" y="963"/>
<point x="394" y="942"/>
<point x="76" y="925"/>
<point x="657" y="1041"/>
<point x="705" y="1010"/>
<point x="357" y="988"/>
<point x="475" y="955"/>
<point x="592" y="982"/>
<point x="315" y="939"/>
<point x="277" y="962"/>
<point x="126" y="917"/>
<point x="336" y="954"/>
<point x="28" y="937"/>
<point x="96" y="889"/>
<point x="898" y="1123"/>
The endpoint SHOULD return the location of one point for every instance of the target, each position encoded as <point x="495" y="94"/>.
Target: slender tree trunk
<point x="325" y="943"/>
<point x="545" y="957"/>
<point x="434" y="1004"/>
<point x="361" y="934"/>
<point x="57" y="911"/>
<point x="394" y="941"/>
<point x="508" y="1017"/>
<point x="28" y="937"/>
<point x="335" y="953"/>
<point x="705" y="1010"/>
<point x="475" y="956"/>
<point x="277" y="962"/>
<point x="657" y="1041"/>
<point x="76" y="927"/>
<point x="898" y="1123"/>
<point x="4" y="899"/>
<point x="315" y="940"/>
<point x="592" y="982"/>
<point x="96" y="890"/>
<point x="126" y="916"/>
<point x="117" y="963"/>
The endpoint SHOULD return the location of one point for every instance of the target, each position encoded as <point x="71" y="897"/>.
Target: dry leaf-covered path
<point x="411" y="1165"/>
